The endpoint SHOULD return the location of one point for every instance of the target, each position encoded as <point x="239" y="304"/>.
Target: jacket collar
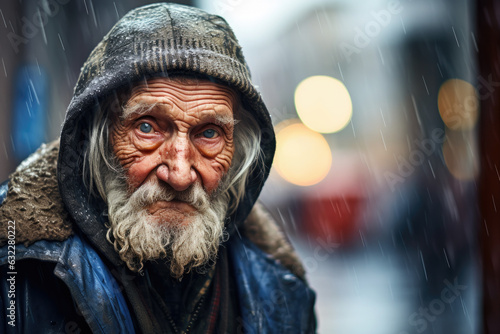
<point x="91" y="284"/>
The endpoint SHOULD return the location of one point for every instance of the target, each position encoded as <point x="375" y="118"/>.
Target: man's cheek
<point x="138" y="171"/>
<point x="225" y="158"/>
<point x="218" y="168"/>
<point x="123" y="147"/>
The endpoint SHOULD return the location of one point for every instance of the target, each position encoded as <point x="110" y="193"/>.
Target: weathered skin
<point x="176" y="147"/>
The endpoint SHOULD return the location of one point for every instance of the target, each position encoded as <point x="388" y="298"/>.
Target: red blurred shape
<point x="332" y="218"/>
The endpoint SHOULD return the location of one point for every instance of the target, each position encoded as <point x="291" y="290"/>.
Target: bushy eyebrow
<point x="225" y="120"/>
<point x="137" y="109"/>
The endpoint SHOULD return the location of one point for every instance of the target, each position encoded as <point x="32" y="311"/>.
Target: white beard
<point x="138" y="236"/>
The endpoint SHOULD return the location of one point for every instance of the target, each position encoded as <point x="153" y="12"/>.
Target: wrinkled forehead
<point x="207" y="86"/>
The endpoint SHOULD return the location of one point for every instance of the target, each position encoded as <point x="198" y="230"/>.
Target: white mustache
<point x="152" y="192"/>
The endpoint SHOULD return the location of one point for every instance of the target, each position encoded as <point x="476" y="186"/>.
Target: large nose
<point x="177" y="169"/>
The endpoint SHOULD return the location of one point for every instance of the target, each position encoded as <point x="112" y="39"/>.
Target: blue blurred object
<point x="30" y="109"/>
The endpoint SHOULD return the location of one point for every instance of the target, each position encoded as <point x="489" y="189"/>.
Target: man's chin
<point x="173" y="205"/>
<point x="173" y="213"/>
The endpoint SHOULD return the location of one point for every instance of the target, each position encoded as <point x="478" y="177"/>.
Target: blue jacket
<point x="272" y="299"/>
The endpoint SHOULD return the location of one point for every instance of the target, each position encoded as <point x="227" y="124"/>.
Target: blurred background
<point x="376" y="107"/>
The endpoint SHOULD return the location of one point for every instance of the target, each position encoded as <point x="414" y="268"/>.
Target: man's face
<point x="177" y="133"/>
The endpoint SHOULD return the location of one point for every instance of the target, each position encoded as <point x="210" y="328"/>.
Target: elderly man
<point x="142" y="217"/>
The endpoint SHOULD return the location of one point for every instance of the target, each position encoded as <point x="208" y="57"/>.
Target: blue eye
<point x="145" y="127"/>
<point x="209" y="133"/>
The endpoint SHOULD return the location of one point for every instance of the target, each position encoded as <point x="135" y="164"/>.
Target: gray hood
<point x="159" y="39"/>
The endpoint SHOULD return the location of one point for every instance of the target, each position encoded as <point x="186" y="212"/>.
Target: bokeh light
<point x="323" y="104"/>
<point x="458" y="104"/>
<point x="303" y="157"/>
<point x="460" y="158"/>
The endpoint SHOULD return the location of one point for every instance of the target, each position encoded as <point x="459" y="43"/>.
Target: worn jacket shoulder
<point x="261" y="229"/>
<point x="268" y="292"/>
<point x="33" y="202"/>
<point x="94" y="290"/>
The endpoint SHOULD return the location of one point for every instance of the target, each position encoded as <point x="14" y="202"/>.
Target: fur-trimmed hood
<point x="34" y="203"/>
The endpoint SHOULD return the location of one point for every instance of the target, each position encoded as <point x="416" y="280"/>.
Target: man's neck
<point x="178" y="298"/>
